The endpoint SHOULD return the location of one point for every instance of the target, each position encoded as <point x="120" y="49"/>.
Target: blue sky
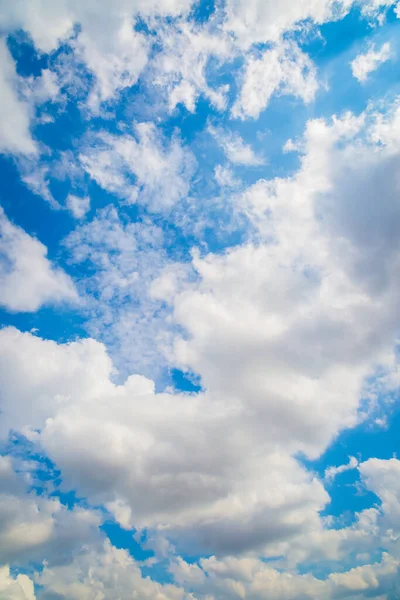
<point x="199" y="267"/>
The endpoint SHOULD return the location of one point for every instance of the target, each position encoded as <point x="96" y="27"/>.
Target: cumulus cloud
<point x="133" y="445"/>
<point x="20" y="98"/>
<point x="18" y="588"/>
<point x="179" y="69"/>
<point x="252" y="578"/>
<point x="253" y="21"/>
<point x="284" y="361"/>
<point x="332" y="472"/>
<point x="15" y="136"/>
<point x="284" y="341"/>
<point x="282" y="69"/>
<point x="291" y="334"/>
<point x="235" y="148"/>
<point x="78" y="206"/>
<point x="107" y="42"/>
<point x="144" y="169"/>
<point x="34" y="527"/>
<point x="382" y="478"/>
<point x="108" y="574"/>
<point x="28" y="279"/>
<point x="225" y="177"/>
<point x="364" y="64"/>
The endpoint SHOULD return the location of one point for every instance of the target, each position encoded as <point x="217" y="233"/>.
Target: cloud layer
<point x="219" y="250"/>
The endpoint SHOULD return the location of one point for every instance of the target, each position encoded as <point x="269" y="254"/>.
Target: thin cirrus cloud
<point x="235" y="148"/>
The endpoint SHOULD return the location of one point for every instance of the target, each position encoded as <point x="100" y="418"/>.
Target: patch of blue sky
<point x="367" y="440"/>
<point x="28" y="60"/>
<point x="185" y="382"/>
<point x="332" y="52"/>
<point x="126" y="539"/>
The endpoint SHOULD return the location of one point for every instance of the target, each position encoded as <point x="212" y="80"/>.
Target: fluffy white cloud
<point x="235" y="149"/>
<point x="225" y="177"/>
<point x="382" y="478"/>
<point x="78" y="206"/>
<point x="18" y="588"/>
<point x="233" y="578"/>
<point x="284" y="332"/>
<point x="282" y="69"/>
<point x="35" y="527"/>
<point x="332" y="472"/>
<point x="111" y="573"/>
<point x="115" y="57"/>
<point x="364" y="64"/>
<point x="265" y="20"/>
<point x="125" y="259"/>
<point x="152" y="458"/>
<point x="28" y="279"/>
<point x="107" y="42"/>
<point x="162" y="171"/>
<point x="43" y="88"/>
<point x="285" y="338"/>
<point x="179" y="68"/>
<point x="15" y="136"/>
<point x="20" y="98"/>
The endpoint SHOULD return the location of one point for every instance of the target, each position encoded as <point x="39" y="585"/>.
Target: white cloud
<point x="254" y="21"/>
<point x="18" y="588"/>
<point x="125" y="259"/>
<point x="107" y="42"/>
<point x="15" y="136"/>
<point x="115" y="57"/>
<point x="250" y="577"/>
<point x="283" y="331"/>
<point x="78" y="206"/>
<point x="20" y="96"/>
<point x="35" y="527"/>
<point x="151" y="458"/>
<point x="36" y="177"/>
<point x="364" y="64"/>
<point x="108" y="572"/>
<point x="225" y="177"/>
<point x="111" y="573"/>
<point x="235" y="149"/>
<point x="283" y="69"/>
<point x="43" y="88"/>
<point x="332" y="472"/>
<point x="273" y="323"/>
<point x="28" y="279"/>
<point x="162" y="170"/>
<point x="382" y="478"/>
<point x="179" y="68"/>
<point x="103" y="569"/>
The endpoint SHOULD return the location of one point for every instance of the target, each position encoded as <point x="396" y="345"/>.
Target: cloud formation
<point x="161" y="171"/>
<point x="222" y="267"/>
<point x="364" y="64"/>
<point x="28" y="279"/>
